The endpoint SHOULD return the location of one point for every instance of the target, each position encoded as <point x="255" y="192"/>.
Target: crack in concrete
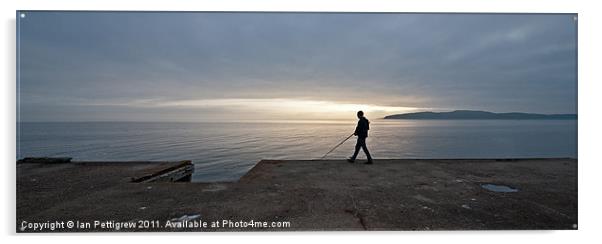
<point x="356" y="213"/>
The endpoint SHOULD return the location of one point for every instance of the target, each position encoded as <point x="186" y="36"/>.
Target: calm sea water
<point x="226" y="151"/>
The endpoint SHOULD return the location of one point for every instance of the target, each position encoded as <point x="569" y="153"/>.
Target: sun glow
<point x="267" y="108"/>
<point x="280" y="106"/>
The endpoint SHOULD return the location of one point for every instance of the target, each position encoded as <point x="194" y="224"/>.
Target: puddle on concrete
<point x="215" y="187"/>
<point x="498" y="188"/>
<point x="423" y="198"/>
<point x="186" y="218"/>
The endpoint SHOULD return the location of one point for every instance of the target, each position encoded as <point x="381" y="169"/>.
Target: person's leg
<point x="358" y="145"/>
<point x="365" y="148"/>
<point x="367" y="153"/>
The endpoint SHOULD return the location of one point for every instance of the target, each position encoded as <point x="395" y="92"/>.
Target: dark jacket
<point x="363" y="125"/>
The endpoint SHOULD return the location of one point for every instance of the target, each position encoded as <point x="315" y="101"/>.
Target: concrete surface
<point x="400" y="194"/>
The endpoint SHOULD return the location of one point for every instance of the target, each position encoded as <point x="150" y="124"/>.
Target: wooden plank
<point x="175" y="173"/>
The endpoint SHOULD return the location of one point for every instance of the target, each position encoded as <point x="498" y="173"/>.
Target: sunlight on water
<point x="225" y="151"/>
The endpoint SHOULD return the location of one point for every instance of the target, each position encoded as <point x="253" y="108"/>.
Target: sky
<point x="159" y="66"/>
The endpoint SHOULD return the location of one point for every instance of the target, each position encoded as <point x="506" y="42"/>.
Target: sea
<point x="224" y="151"/>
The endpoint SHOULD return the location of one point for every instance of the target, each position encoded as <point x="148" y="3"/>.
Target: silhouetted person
<point x="361" y="131"/>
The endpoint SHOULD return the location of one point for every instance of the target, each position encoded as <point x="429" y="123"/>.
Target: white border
<point x="589" y="130"/>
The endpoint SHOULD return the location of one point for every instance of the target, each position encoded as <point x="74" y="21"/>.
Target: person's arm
<point x="357" y="128"/>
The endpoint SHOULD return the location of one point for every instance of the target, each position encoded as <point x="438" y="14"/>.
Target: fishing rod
<point x="335" y="147"/>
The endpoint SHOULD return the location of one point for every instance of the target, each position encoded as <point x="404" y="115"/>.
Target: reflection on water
<point x="225" y="151"/>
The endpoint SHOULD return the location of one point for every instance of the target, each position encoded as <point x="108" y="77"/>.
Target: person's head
<point x="360" y="114"/>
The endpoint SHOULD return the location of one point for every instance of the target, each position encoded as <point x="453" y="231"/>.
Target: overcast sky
<point x="107" y="66"/>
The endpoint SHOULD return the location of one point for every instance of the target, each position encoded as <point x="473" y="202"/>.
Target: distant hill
<point x="471" y="114"/>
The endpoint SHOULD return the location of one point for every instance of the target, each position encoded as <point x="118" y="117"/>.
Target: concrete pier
<point x="399" y="194"/>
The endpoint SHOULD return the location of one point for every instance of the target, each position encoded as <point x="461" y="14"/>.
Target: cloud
<point x="497" y="62"/>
